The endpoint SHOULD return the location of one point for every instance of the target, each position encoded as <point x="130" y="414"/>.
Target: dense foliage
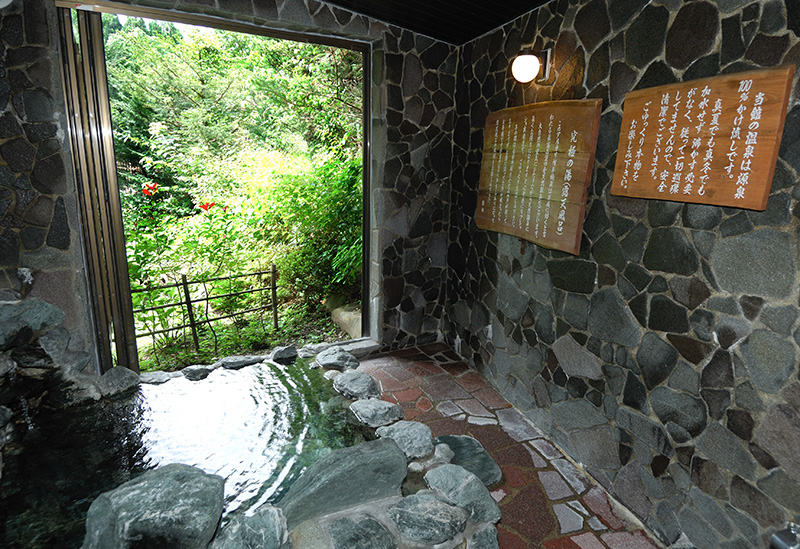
<point x="235" y="151"/>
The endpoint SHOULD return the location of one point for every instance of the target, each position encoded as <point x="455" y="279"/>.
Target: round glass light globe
<point x="525" y="67"/>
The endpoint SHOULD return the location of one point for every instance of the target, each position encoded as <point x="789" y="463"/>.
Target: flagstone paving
<point x="546" y="501"/>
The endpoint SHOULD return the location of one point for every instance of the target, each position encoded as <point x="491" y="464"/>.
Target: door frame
<point x="89" y="120"/>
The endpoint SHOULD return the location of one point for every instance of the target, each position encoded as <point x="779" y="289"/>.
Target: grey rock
<point x="413" y="438"/>
<point x="780" y="319"/>
<point x="485" y="538"/>
<point x="746" y="525"/>
<point x="701" y="216"/>
<point x="5" y="416"/>
<point x="569" y="520"/>
<point x="465" y="490"/>
<point x="310" y="535"/>
<point x="423" y="518"/>
<point x="510" y="299"/>
<point x="656" y="358"/>
<point x="722" y="447"/>
<point x="376" y="413"/>
<point x="154" y="378"/>
<point x="196" y="372"/>
<point x="678" y="433"/>
<point x="577" y="414"/>
<point x="345" y="478"/>
<point x="782" y="488"/>
<point x="670" y="251"/>
<point x="711" y="511"/>
<point x="778" y="434"/>
<point x="535" y="284"/>
<point x="174" y="506"/>
<point x="360" y="532"/>
<point x="7" y="364"/>
<point x="596" y="447"/>
<point x="516" y="425"/>
<point x="683" y="409"/>
<point x="574" y="478"/>
<point x="769" y="358"/>
<point x="685" y="378"/>
<point x="747" y="397"/>
<point x="284" y="355"/>
<point x="264" y="529"/>
<point x="353" y="384"/>
<point x="576" y="360"/>
<point x="54" y="342"/>
<point x="754" y="503"/>
<point x="471" y="455"/>
<point x="336" y="358"/>
<point x="238" y="362"/>
<point x="629" y="490"/>
<point x="611" y="320"/>
<point x="32" y="312"/>
<point x="756" y="264"/>
<point x="576" y="311"/>
<point x="645" y="429"/>
<point x="313" y="349"/>
<point x="696" y="528"/>
<point x="118" y="381"/>
<point x="731" y="330"/>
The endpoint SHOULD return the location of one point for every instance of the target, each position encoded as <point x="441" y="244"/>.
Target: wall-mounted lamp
<point x="527" y="65"/>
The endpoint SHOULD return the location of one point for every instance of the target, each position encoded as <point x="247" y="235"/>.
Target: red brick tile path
<point x="433" y="386"/>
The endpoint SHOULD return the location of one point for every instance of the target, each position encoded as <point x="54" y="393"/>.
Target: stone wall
<point x="39" y="240"/>
<point x="663" y="357"/>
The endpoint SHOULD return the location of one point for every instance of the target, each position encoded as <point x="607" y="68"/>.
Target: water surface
<point x="257" y="427"/>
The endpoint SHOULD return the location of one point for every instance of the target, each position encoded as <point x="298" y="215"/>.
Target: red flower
<point x="206" y="206"/>
<point x="149" y="189"/>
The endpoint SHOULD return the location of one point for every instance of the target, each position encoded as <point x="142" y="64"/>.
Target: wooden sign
<point x="537" y="164"/>
<point x="708" y="141"/>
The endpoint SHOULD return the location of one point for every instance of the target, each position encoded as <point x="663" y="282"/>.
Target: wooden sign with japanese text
<point x="537" y="164"/>
<point x="708" y="141"/>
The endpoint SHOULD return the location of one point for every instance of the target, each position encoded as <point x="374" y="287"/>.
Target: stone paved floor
<point x="546" y="501"/>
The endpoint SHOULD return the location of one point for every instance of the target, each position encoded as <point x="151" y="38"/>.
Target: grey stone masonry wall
<point x="664" y="357"/>
<point x="39" y="245"/>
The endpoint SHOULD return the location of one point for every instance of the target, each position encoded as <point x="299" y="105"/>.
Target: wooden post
<point x="190" y="311"/>
<point x="274" y="281"/>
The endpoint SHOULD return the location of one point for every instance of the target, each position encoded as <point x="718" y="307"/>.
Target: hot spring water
<point x="257" y="427"/>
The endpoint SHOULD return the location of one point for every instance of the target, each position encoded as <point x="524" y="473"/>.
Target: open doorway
<point x="233" y="152"/>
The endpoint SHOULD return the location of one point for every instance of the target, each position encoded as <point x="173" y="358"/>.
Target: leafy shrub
<point x="317" y="223"/>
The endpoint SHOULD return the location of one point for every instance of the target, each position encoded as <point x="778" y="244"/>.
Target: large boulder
<point x="353" y="384"/>
<point x="265" y="529"/>
<point x="413" y="437"/>
<point x="472" y="456"/>
<point x="156" y="378"/>
<point x="118" y="381"/>
<point x="345" y="478"/>
<point x="462" y="488"/>
<point x="196" y="372"/>
<point x="175" y="506"/>
<point x="424" y="518"/>
<point x="238" y="362"/>
<point x="284" y="355"/>
<point x="375" y="413"/>
<point x="360" y="532"/>
<point x="32" y="313"/>
<point x="336" y="358"/>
